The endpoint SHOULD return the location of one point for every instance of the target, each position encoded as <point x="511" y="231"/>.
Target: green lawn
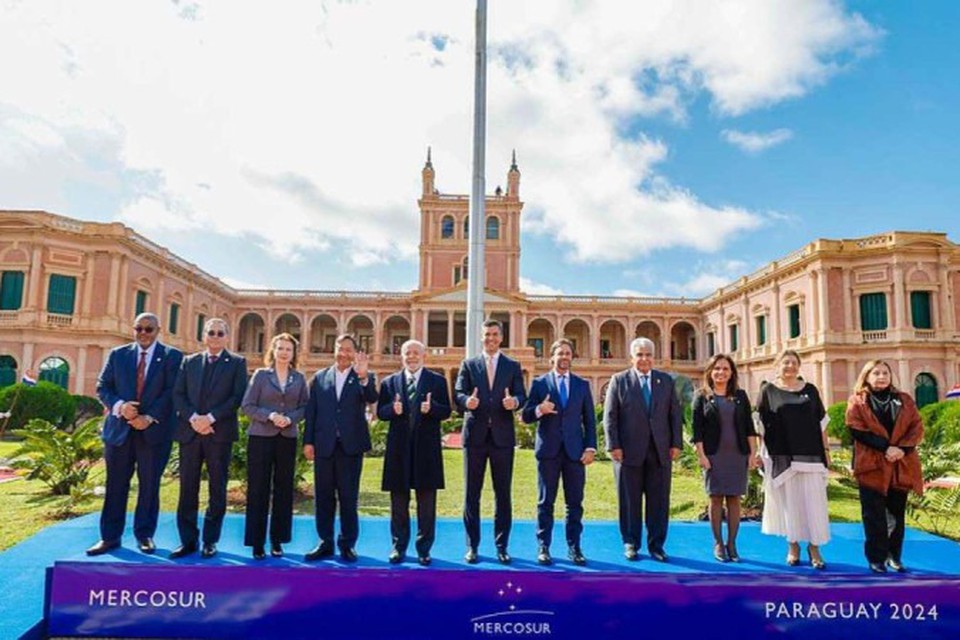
<point x="26" y="509"/>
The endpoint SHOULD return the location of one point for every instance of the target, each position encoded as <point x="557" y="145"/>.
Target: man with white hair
<point x="415" y="401"/>
<point x="642" y="423"/>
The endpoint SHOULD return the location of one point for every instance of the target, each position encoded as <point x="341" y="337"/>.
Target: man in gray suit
<point x="642" y="423"/>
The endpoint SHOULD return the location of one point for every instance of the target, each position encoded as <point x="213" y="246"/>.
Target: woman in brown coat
<point x="886" y="429"/>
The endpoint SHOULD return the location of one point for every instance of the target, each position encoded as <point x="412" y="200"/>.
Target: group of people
<point x="154" y="395"/>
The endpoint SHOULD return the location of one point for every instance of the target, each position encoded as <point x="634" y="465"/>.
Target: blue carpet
<point x="689" y="545"/>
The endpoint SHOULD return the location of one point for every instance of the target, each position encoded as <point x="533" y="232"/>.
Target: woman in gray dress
<point x="726" y="444"/>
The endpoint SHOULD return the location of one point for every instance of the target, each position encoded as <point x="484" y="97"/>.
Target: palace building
<point x="70" y="290"/>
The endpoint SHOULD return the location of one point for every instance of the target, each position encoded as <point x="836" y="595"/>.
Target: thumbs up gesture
<point x="473" y="401"/>
<point x="425" y="405"/>
<point x="547" y="407"/>
<point x="509" y="402"/>
<point x="397" y="405"/>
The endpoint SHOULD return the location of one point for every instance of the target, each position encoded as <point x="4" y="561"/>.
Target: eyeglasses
<point x="216" y="334"/>
<point x="146" y="330"/>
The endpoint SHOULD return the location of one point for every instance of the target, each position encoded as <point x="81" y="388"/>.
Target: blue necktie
<point x="645" y="387"/>
<point x="563" y="392"/>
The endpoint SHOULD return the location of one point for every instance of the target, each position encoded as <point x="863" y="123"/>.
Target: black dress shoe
<point x="659" y="556"/>
<point x="543" y="556"/>
<point x="102" y="547"/>
<point x="471" y="556"/>
<point x="183" y="551"/>
<point x="209" y="550"/>
<point x="896" y="565"/>
<point x="319" y="552"/>
<point x="630" y="552"/>
<point x="424" y="561"/>
<point x="503" y="557"/>
<point x="878" y="567"/>
<point x="396" y="556"/>
<point x="146" y="545"/>
<point x="276" y="550"/>
<point x="348" y="554"/>
<point x="259" y="553"/>
<point x="576" y="556"/>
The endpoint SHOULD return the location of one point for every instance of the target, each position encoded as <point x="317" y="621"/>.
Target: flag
<point x="28" y="380"/>
<point x="954" y="393"/>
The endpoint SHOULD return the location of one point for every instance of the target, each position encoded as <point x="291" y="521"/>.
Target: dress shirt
<point x="411" y="374"/>
<point x="341" y="378"/>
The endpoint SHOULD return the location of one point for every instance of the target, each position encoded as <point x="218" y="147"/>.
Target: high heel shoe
<point x="817" y="563"/>
<point x="720" y="553"/>
<point x="732" y="554"/>
<point x="793" y="555"/>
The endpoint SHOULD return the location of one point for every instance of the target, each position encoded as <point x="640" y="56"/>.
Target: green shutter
<point x="11" y="290"/>
<point x="141" y="304"/>
<point x="711" y="345"/>
<point x="920" y="309"/>
<point x="873" y="312"/>
<point x="794" y="312"/>
<point x="761" y="330"/>
<point x="734" y="346"/>
<point x="62" y="294"/>
<point x="201" y="320"/>
<point x="174" y="319"/>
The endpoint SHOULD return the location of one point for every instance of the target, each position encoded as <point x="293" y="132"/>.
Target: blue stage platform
<point x="381" y="595"/>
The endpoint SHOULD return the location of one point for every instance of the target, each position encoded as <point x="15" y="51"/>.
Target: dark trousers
<point x="646" y="485"/>
<point x="501" y="470"/>
<point x="574" y="474"/>
<point x="135" y="454"/>
<point x="271" y="462"/>
<point x="426" y="520"/>
<point x="337" y="478"/>
<point x="883" y="523"/>
<point x="192" y="456"/>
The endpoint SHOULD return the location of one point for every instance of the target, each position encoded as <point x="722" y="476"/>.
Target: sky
<point x="666" y="147"/>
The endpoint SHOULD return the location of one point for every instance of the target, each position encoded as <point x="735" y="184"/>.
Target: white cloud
<point x="755" y="142"/>
<point x="707" y="277"/>
<point x="538" y="289"/>
<point x="304" y="127"/>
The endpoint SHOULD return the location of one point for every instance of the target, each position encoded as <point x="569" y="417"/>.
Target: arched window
<point x="8" y="371"/>
<point x="446" y="227"/>
<point x="493" y="228"/>
<point x="55" y="370"/>
<point x="926" y="389"/>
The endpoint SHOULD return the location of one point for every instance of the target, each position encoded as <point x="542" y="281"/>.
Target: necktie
<point x="563" y="392"/>
<point x="490" y="371"/>
<point x="141" y="371"/>
<point x="645" y="387"/>
<point x="213" y="359"/>
<point x="411" y="389"/>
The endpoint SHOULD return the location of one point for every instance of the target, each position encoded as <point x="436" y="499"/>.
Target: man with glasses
<point x="642" y="424"/>
<point x="207" y="394"/>
<point x="136" y="387"/>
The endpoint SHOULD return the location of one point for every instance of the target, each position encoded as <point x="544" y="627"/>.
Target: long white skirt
<point x="795" y="505"/>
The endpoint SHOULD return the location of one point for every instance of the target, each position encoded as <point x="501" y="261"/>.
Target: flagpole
<point x="475" y="254"/>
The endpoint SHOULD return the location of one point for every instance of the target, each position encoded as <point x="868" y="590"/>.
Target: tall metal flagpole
<point x="475" y="279"/>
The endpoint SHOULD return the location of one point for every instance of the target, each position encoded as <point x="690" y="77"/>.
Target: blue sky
<point x="666" y="148"/>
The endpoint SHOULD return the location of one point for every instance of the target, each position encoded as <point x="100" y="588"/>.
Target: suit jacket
<point x="629" y="424"/>
<point x="573" y="428"/>
<point x="706" y="422"/>
<point x="414" y="459"/>
<point x="326" y="416"/>
<point x="870" y="465"/>
<point x="264" y="396"/>
<point x="221" y="397"/>
<point x="118" y="381"/>
<point x="489" y="416"/>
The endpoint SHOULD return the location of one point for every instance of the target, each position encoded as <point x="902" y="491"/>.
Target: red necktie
<point x="141" y="371"/>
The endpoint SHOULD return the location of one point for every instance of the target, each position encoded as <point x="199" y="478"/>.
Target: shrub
<point x="941" y="422"/>
<point x="837" y="428"/>
<point x="61" y="459"/>
<point x="87" y="408"/>
<point x="378" y="438"/>
<point x="44" y="401"/>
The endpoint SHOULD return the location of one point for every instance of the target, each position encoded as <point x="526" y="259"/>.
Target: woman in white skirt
<point x="796" y="458"/>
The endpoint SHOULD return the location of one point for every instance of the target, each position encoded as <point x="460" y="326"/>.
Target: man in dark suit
<point x="136" y="387"/>
<point x="208" y="393"/>
<point x="489" y="389"/>
<point x="562" y="406"/>
<point x="336" y="437"/>
<point x="415" y="401"/>
<point x="642" y="423"/>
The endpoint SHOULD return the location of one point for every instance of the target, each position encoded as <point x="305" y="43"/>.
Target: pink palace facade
<point x="70" y="289"/>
